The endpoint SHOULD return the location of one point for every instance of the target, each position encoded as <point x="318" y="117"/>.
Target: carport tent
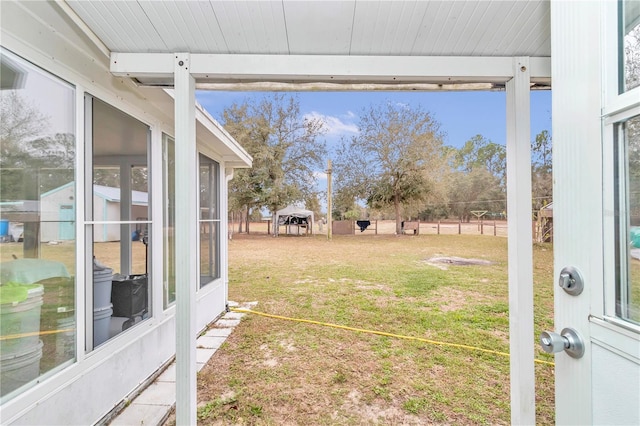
<point x="292" y="211"/>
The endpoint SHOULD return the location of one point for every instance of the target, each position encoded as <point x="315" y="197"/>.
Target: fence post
<point x="494" y="228"/>
<point x="459" y="227"/>
<point x="376" y="228"/>
<point x="438" y="227"/>
<point x="482" y="228"/>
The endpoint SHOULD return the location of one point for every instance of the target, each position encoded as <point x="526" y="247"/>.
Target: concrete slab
<point x="218" y="332"/>
<point x="141" y="414"/>
<point x="168" y="375"/>
<point x="233" y="315"/>
<point x="158" y="393"/>
<point x="227" y="322"/>
<point x="203" y="355"/>
<point x="210" y="342"/>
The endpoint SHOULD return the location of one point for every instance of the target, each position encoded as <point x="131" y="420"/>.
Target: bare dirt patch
<point x="454" y="299"/>
<point x="443" y="262"/>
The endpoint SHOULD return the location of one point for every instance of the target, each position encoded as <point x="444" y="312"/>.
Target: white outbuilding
<point x="59" y="212"/>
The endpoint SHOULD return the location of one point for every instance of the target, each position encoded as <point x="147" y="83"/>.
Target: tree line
<point x="396" y="166"/>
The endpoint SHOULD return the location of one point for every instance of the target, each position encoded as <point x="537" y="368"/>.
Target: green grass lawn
<point x="272" y="371"/>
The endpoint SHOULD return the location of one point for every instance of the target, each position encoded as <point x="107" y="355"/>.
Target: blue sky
<point x="462" y="115"/>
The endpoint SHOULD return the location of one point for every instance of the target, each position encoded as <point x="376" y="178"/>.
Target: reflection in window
<point x="628" y="221"/>
<point x="209" y="221"/>
<point x="37" y="224"/>
<point x="630" y="45"/>
<point x="120" y="214"/>
<point x="169" y="219"/>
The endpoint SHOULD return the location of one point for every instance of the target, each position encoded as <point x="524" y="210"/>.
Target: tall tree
<point x="541" y="170"/>
<point x="479" y="180"/>
<point x="390" y="162"/>
<point x="285" y="147"/>
<point x="477" y="189"/>
<point x="481" y="152"/>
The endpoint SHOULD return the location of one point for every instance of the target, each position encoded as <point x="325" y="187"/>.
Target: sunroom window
<point x="119" y="220"/>
<point x="37" y="225"/>
<point x="209" y="221"/>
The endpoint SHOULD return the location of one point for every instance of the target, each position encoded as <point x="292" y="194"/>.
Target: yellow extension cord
<point x="382" y="333"/>
<point x="326" y="324"/>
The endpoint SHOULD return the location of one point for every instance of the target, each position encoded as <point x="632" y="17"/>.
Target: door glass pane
<point x="628" y="220"/>
<point x="630" y="45"/>
<point x="37" y="225"/>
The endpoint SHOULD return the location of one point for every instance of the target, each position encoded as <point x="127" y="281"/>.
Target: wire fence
<point x="383" y="227"/>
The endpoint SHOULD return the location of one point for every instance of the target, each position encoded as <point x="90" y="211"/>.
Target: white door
<point x="596" y="136"/>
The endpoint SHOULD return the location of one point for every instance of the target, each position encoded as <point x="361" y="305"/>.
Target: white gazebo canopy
<point x="293" y="211"/>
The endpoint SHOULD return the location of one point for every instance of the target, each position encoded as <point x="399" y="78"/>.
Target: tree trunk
<point x="240" y="222"/>
<point x="247" y="218"/>
<point x="396" y="204"/>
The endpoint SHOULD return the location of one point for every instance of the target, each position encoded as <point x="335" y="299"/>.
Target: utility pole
<point x="329" y="219"/>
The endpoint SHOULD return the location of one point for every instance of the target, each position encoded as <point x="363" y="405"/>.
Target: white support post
<point x="186" y="241"/>
<point x="125" y="214"/>
<point x="154" y="255"/>
<point x="520" y="253"/>
<point x="83" y="211"/>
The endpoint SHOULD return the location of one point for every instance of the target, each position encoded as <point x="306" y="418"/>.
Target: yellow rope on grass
<point x="382" y="333"/>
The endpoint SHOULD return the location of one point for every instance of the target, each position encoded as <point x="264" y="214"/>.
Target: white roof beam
<point x="226" y="68"/>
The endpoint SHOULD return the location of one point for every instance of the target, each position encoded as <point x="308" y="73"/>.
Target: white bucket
<point x="101" y="321"/>
<point x="18" y="369"/>
<point x="102" y="288"/>
<point x="21" y="320"/>
<point x="66" y="340"/>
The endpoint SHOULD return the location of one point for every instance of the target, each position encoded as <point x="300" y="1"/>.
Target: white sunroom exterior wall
<point x="86" y="390"/>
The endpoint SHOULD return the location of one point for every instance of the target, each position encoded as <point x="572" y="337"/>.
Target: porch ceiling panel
<point x="250" y="26"/>
<point x="315" y="27"/>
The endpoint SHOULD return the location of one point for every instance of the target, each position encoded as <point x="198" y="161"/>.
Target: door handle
<point x="568" y="340"/>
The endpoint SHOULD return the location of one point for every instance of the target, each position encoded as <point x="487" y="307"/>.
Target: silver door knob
<point x="568" y="340"/>
<point x="571" y="281"/>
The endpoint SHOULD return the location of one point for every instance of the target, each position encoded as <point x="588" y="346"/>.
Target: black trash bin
<point x="129" y="296"/>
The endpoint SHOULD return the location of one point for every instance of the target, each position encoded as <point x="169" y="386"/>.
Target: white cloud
<point x="320" y="175"/>
<point x="333" y="125"/>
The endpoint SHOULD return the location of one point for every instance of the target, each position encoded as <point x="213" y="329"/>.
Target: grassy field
<point x="272" y="371"/>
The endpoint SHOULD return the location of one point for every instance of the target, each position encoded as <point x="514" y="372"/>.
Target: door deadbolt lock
<point x="571" y="281"/>
<point x="568" y="340"/>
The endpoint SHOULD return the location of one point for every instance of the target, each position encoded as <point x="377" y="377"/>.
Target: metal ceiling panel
<point x="433" y="24"/>
<point x="386" y="28"/>
<point x="122" y="26"/>
<point x="252" y="26"/>
<point x="185" y="26"/>
<point x="319" y="27"/>
<point x="335" y="27"/>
